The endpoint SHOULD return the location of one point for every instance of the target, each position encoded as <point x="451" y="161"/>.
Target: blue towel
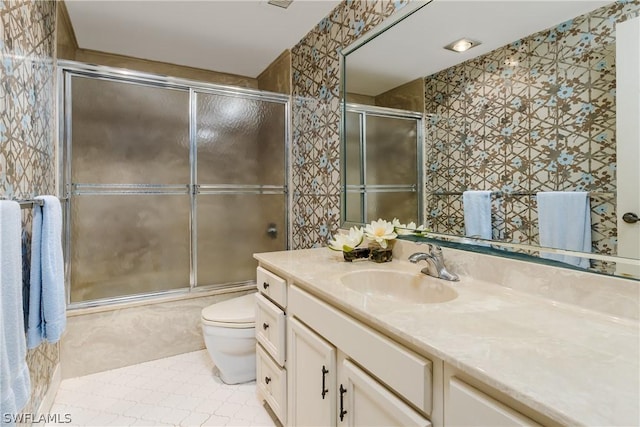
<point x="47" y="308"/>
<point x="477" y="214"/>
<point x="15" y="385"/>
<point x="564" y="222"/>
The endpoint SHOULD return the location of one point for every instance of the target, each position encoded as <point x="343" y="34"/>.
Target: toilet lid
<point x="235" y="310"/>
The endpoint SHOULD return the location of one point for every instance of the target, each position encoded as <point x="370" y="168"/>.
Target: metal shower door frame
<point x="363" y="112"/>
<point x="69" y="69"/>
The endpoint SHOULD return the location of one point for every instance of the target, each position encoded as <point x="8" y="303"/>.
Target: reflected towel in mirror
<point x="477" y="214"/>
<point x="564" y="222"/>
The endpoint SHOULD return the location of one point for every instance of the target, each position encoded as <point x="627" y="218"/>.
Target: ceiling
<point x="414" y="47"/>
<point x="234" y="36"/>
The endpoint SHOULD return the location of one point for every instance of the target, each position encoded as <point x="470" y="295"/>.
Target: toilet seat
<point x="239" y="313"/>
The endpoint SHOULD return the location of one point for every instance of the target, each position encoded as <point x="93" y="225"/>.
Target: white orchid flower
<point x="347" y="242"/>
<point x="407" y="229"/>
<point x="380" y="231"/>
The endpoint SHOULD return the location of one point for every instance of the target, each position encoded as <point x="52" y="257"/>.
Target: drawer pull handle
<point x="325" y="371"/>
<point x="265" y="285"/>
<point x="265" y="326"/>
<point x="267" y="380"/>
<point x="342" y="411"/>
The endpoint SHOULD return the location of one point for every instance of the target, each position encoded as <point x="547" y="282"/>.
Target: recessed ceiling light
<point x="462" y="45"/>
<point x="280" y="3"/>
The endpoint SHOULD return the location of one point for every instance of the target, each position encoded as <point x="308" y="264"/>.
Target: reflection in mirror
<point x="528" y="122"/>
<point x="383" y="164"/>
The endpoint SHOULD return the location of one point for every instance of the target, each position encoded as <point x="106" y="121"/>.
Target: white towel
<point x="15" y="385"/>
<point x="47" y="307"/>
<point x="477" y="214"/>
<point x="564" y="222"/>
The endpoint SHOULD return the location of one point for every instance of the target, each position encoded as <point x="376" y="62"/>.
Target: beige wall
<point x="277" y="76"/>
<point x="356" y="98"/>
<point x="66" y="44"/>
<point x="409" y="96"/>
<point x="101" y="340"/>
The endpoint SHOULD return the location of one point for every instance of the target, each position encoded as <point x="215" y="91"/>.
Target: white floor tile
<point x="215" y="420"/>
<point x="121" y="420"/>
<point x="187" y="403"/>
<point x="194" y="419"/>
<point x="209" y="406"/>
<point x="228" y="409"/>
<point x="182" y="390"/>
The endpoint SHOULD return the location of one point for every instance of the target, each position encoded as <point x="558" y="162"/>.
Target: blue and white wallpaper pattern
<point x="27" y="139"/>
<point x="536" y="115"/>
<point x="316" y="117"/>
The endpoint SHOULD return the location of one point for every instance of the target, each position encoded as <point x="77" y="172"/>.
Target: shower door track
<point x="69" y="69"/>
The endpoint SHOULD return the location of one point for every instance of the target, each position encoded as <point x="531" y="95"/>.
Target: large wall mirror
<point x="536" y="123"/>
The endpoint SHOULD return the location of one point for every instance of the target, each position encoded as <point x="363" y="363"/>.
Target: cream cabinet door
<point x="363" y="402"/>
<point x="311" y="365"/>
<point x="468" y="407"/>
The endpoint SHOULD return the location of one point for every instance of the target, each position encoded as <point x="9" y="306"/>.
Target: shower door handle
<point x="272" y="230"/>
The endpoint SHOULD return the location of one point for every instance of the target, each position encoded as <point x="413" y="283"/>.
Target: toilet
<point x="229" y="334"/>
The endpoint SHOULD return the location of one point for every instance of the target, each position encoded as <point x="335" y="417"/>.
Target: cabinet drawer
<point x="270" y="328"/>
<point x="409" y="374"/>
<point x="274" y="287"/>
<point x="468" y="406"/>
<point x="272" y="383"/>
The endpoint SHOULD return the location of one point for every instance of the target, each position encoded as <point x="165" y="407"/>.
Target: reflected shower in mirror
<point x="382" y="155"/>
<point x="534" y="108"/>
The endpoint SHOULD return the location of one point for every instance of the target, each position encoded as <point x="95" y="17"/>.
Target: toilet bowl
<point x="228" y="328"/>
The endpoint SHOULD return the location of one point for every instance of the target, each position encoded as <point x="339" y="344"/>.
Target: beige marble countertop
<point x="577" y="366"/>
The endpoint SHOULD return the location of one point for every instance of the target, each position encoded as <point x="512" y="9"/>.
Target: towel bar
<point x="28" y="203"/>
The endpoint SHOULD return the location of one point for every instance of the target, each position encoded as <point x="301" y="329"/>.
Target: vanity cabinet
<point x="271" y="372"/>
<point x="466" y="406"/>
<point x="312" y="377"/>
<point x="332" y="361"/>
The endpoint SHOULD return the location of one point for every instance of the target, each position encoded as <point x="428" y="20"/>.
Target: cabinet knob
<point x="265" y="285"/>
<point x="630" y="218"/>
<point x="267" y="380"/>
<point x="265" y="326"/>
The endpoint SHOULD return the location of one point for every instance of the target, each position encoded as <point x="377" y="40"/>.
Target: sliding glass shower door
<point x="240" y="175"/>
<point x="168" y="186"/>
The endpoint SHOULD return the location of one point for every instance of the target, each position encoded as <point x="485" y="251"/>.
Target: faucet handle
<point x="435" y="250"/>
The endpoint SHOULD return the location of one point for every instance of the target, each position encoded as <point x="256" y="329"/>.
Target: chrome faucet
<point x="436" y="267"/>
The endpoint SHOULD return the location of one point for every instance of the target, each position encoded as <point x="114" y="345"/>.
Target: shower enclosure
<point x="382" y="166"/>
<point x="170" y="185"/>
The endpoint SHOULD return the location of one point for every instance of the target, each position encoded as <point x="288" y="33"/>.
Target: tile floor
<point x="181" y="391"/>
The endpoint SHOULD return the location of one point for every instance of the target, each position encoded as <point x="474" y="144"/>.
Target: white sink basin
<point x="399" y="286"/>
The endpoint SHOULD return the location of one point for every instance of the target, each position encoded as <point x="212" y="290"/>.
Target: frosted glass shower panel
<point x="231" y="228"/>
<point x="128" y="133"/>
<point x="387" y="205"/>
<point x="128" y="245"/>
<point x="240" y="141"/>
<point x="391" y="147"/>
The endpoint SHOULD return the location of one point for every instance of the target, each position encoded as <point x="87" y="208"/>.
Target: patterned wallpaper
<point x="316" y="117"/>
<point x="27" y="140"/>
<point x="535" y="115"/>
